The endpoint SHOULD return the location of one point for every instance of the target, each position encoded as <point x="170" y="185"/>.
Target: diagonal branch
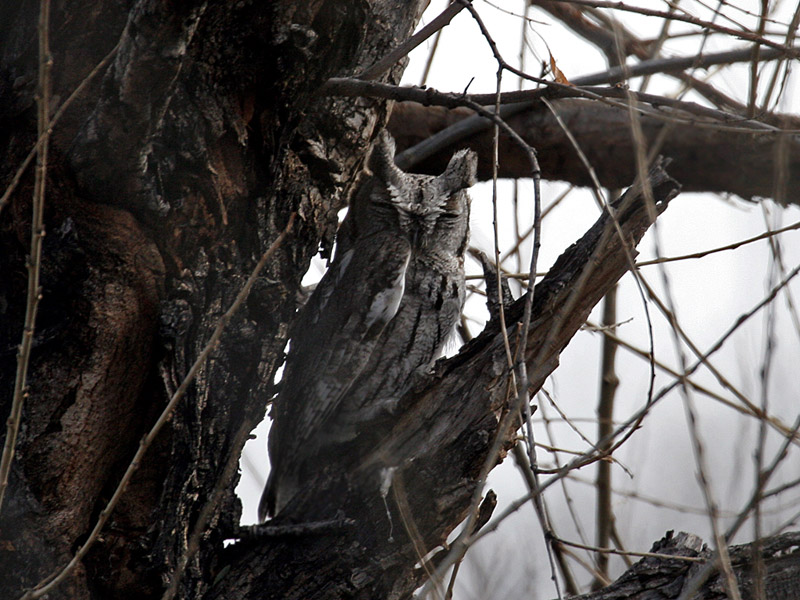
<point x="438" y="441"/>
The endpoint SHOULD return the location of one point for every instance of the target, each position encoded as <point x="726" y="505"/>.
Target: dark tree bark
<point x="775" y="561"/>
<point x="170" y="175"/>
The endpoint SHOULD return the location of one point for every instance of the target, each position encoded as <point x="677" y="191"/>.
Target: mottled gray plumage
<point x="382" y="311"/>
<point x="431" y="305"/>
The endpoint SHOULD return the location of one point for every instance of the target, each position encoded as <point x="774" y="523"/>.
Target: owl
<point x="429" y="310"/>
<point x="381" y="312"/>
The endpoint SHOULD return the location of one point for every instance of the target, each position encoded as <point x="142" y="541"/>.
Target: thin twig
<point x="568" y="499"/>
<point x="652" y="501"/>
<point x="606" y="551"/>
<point x="34" y="294"/>
<point x="703" y="357"/>
<point x="558" y="554"/>
<point x="733" y="246"/>
<point x="736" y="33"/>
<point x="641" y="49"/>
<point x="775" y="423"/>
<point x="572" y="425"/>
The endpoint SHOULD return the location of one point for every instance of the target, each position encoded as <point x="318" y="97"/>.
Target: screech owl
<point x="431" y="304"/>
<point x="381" y="312"/>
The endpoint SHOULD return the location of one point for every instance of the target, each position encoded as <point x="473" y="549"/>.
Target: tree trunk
<point x="170" y="175"/>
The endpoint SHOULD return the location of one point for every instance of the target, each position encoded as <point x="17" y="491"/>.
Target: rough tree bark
<point x="170" y="175"/>
<point x="775" y="561"/>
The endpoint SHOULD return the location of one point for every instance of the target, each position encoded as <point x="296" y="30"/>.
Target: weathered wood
<point x="656" y="578"/>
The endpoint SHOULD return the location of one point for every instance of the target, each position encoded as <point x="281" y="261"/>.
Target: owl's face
<point x="431" y="210"/>
<point x="434" y="214"/>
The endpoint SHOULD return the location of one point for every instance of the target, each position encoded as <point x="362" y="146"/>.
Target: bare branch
<point x="435" y="26"/>
<point x="37" y="237"/>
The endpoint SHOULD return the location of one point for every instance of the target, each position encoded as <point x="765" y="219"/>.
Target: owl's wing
<point x="336" y="333"/>
<point x="431" y="307"/>
<point x="427" y="316"/>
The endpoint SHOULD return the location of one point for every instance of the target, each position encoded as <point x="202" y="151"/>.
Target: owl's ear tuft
<point x="381" y="161"/>
<point x="461" y="172"/>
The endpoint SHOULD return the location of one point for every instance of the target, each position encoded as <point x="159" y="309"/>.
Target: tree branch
<point x="438" y="440"/>
<point x="731" y="161"/>
<point x="658" y="577"/>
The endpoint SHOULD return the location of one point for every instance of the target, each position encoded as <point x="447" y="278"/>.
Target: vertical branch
<point x="523" y="46"/>
<point x="496" y="235"/>
<point x="35" y="258"/>
<point x="605" y="415"/>
<point x="753" y="93"/>
<point x="761" y="446"/>
<point x="429" y="63"/>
